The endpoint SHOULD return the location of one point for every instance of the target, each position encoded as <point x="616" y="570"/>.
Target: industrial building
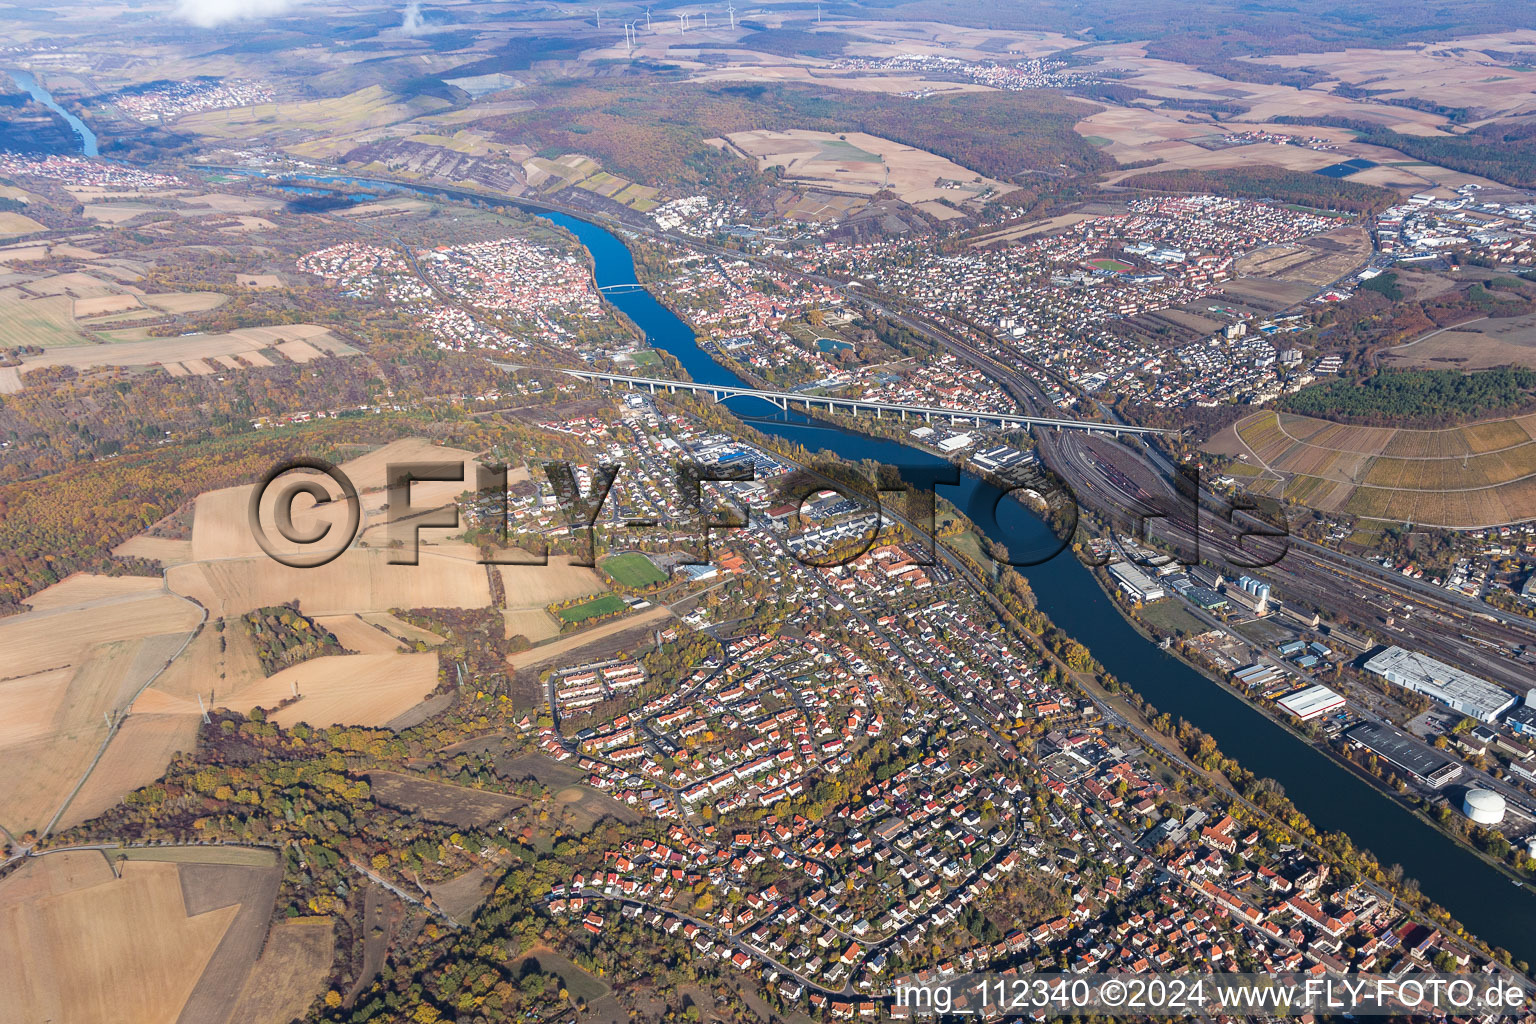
<point x="1312" y="702"/>
<point x="1423" y="763"/>
<point x="1255" y="603"/>
<point x="1257" y="676"/>
<point x="1135" y="584"/>
<point x="1458" y="690"/>
<point x="1205" y="598"/>
<point x="1483" y="806"/>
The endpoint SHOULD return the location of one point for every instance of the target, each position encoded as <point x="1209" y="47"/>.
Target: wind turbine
<point x="706" y="21"/>
<point x="682" y="23"/>
<point x="732" y="11"/>
<point x="647" y="17"/>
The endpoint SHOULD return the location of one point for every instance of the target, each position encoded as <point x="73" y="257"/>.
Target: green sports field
<point x="633" y="569"/>
<point x="605" y="605"/>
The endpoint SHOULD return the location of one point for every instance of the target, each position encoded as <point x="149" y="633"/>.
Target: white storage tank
<point x="1483" y="807"/>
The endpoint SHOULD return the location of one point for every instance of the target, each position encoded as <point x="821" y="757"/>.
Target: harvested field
<point x="14" y="225"/>
<point x="86" y="588"/>
<point x="186" y="302"/>
<point x="861" y="164"/>
<point x="71" y="666"/>
<point x="77" y="944"/>
<point x="535" y="586"/>
<point x="347" y="689"/>
<point x="1477" y="345"/>
<point x="639" y="624"/>
<point x="1481" y="474"/>
<point x="40" y="324"/>
<point x="358" y="636"/>
<point x="289" y="974"/>
<point x="401" y="629"/>
<point x="442" y="802"/>
<point x="221" y="526"/>
<point x="360" y="580"/>
<point x="137" y="756"/>
<point x="105" y="304"/>
<point x="165" y="550"/>
<point x="534" y="623"/>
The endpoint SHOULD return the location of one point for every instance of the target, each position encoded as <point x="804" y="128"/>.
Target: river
<point x="82" y="131"/>
<point x="1333" y="797"/>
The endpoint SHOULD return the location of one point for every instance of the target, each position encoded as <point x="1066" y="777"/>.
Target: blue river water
<point x="1335" y="799"/>
<point x="82" y="131"/>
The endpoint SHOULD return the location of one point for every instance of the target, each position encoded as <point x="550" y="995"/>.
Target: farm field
<point x="289" y="974"/>
<point x="80" y="658"/>
<point x="78" y="944"/>
<point x="537" y="586"/>
<point x="1479" y="474"/>
<point x="49" y="322"/>
<point x="633" y="569"/>
<point x="346" y="689"/>
<point x="14" y="225"/>
<point x="861" y="164"/>
<point x="534" y="623"/>
<point x="1476" y="345"/>
<point x="358" y="636"/>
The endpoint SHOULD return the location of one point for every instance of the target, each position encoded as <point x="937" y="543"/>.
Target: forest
<point x="1438" y="397"/>
<point x="1199" y="32"/>
<point x="652" y="127"/>
<point x="1263" y="182"/>
<point x="1504" y="151"/>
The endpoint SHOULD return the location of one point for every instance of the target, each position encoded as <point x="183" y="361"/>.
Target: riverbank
<point x="1334" y="800"/>
<point x="1412" y="804"/>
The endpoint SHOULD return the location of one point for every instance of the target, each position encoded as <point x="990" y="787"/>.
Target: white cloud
<point x="209" y="13"/>
<point x="412" y="26"/>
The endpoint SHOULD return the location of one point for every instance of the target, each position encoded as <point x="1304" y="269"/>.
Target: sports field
<point x="608" y="604"/>
<point x="1480" y="474"/>
<point x="633" y="569"/>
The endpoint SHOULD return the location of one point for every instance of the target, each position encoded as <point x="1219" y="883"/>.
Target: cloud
<point x="210" y="13"/>
<point x="412" y="25"/>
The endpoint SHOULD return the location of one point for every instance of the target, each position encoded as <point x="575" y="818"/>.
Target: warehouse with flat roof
<point x="1427" y="765"/>
<point x="1311" y="702"/>
<point x="1134" y="582"/>
<point x="1461" y="691"/>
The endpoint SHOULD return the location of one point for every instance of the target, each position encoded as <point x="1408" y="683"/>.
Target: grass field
<point x="633" y="569"/>
<point x="605" y="605"/>
<point x="1116" y="265"/>
<point x="47" y="321"/>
